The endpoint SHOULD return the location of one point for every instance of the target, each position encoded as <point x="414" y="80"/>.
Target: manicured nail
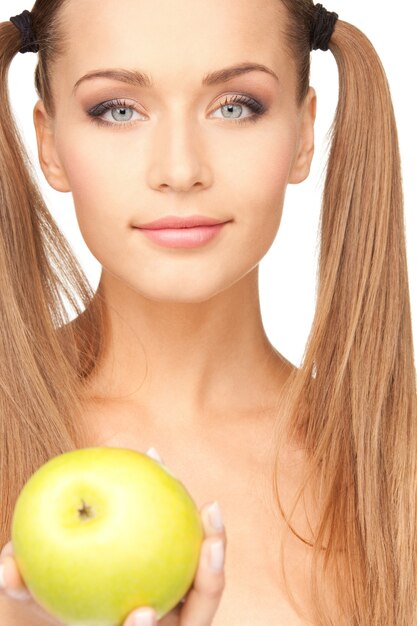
<point x="18" y="594"/>
<point x="6" y="550"/>
<point x="215" y="516"/>
<point x="146" y="618"/>
<point x="217" y="555"/>
<point x="153" y="453"/>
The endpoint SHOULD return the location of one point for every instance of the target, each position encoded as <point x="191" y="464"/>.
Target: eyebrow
<point x="141" y="79"/>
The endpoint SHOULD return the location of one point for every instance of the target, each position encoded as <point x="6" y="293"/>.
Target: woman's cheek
<point x="86" y="165"/>
<point x="271" y="170"/>
<point x="266" y="200"/>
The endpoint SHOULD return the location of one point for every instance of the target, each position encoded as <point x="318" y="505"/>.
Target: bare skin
<point x="189" y="368"/>
<point x="187" y="340"/>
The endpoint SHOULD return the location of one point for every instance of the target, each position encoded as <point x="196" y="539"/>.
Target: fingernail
<point x="215" y="515"/>
<point x="217" y="555"/>
<point x="153" y="453"/>
<point x="145" y="618"/>
<point x="6" y="549"/>
<point x="18" y="594"/>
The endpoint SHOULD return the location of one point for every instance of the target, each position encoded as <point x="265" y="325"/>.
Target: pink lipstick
<point x="187" y="232"/>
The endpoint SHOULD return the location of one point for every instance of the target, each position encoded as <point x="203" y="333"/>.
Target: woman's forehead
<point x="164" y="39"/>
<point x="183" y="26"/>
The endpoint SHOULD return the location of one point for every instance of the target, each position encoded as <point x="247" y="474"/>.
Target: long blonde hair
<point x="352" y="404"/>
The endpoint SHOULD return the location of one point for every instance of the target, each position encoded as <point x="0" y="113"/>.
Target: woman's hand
<point x="197" y="608"/>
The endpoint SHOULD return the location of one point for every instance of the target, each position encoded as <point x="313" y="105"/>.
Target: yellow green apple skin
<point x="100" y="531"/>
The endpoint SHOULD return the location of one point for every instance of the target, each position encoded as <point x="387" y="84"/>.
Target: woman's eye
<point x="120" y="114"/>
<point x="119" y="111"/>
<point x="232" y="107"/>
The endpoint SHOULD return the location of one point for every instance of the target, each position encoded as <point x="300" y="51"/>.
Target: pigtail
<point x="352" y="405"/>
<point x="42" y="361"/>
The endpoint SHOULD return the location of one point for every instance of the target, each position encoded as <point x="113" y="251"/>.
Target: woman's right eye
<point x="117" y="106"/>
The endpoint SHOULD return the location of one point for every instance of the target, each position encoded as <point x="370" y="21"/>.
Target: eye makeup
<point x="258" y="109"/>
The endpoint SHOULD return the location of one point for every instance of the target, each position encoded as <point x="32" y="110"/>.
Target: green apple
<point x="100" y="531"/>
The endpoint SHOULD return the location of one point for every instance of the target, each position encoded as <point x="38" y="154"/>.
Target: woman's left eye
<point x="236" y="102"/>
<point x="119" y="110"/>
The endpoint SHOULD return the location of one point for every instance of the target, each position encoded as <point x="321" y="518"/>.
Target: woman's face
<point x="222" y="148"/>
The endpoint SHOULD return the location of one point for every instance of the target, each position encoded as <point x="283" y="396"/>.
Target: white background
<point x="288" y="271"/>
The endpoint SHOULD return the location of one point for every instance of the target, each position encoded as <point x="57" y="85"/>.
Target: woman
<point x="205" y="109"/>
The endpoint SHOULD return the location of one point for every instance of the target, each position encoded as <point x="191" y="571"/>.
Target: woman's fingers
<point x="200" y="604"/>
<point x="11" y="583"/>
<point x="204" y="597"/>
<point x="10" y="579"/>
<point x="202" y="600"/>
<point x="7" y="549"/>
<point x="154" y="454"/>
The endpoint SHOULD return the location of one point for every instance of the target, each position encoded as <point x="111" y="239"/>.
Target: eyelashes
<point x="258" y="109"/>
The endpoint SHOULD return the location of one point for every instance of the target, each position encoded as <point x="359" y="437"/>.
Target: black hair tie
<point x="322" y="27"/>
<point x="23" y="22"/>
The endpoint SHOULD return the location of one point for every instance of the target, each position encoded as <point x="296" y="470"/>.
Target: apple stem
<point x="86" y="511"/>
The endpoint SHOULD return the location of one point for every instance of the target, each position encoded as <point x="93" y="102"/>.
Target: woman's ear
<point x="305" y="149"/>
<point x="48" y="157"/>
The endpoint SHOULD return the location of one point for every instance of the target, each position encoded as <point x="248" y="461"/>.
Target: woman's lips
<point x="187" y="221"/>
<point x="192" y="237"/>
